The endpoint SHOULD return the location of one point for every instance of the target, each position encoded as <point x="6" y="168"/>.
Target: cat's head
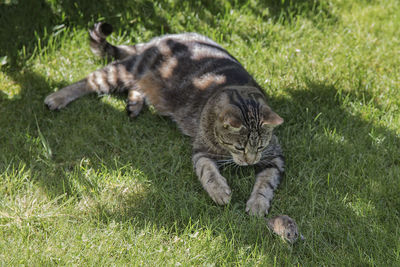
<point x="244" y="128"/>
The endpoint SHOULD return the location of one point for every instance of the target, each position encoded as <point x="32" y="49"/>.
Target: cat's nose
<point x="250" y="159"/>
<point x="250" y="162"/>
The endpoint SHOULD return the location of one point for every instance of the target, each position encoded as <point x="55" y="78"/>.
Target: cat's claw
<point x="257" y="205"/>
<point x="219" y="190"/>
<point x="222" y="198"/>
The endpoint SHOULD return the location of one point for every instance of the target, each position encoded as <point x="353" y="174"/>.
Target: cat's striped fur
<point x="207" y="92"/>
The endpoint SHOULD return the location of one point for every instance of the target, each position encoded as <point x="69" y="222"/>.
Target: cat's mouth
<point x="245" y="161"/>
<point x="242" y="163"/>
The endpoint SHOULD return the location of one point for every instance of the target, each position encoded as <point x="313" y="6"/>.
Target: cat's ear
<point x="270" y="118"/>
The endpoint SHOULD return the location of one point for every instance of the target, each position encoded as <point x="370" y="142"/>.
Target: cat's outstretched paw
<point x="56" y="101"/>
<point x="258" y="204"/>
<point x="66" y="95"/>
<point x="285" y="227"/>
<point x="218" y="190"/>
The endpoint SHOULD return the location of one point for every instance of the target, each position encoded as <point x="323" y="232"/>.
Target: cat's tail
<point x="102" y="48"/>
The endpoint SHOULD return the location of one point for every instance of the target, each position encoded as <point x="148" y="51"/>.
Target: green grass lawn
<point x="88" y="186"/>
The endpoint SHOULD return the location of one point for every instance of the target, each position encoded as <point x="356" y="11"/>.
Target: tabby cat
<point x="207" y="92"/>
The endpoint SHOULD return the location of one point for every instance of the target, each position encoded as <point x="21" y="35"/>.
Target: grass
<point x="87" y="186"/>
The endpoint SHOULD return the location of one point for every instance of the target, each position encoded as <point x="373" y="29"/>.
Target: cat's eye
<point x="239" y="148"/>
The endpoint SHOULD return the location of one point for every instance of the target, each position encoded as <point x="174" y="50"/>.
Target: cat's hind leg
<point x="61" y="98"/>
<point x="115" y="77"/>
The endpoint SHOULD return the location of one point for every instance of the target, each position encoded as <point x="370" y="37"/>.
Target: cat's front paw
<point x="218" y="189"/>
<point x="258" y="204"/>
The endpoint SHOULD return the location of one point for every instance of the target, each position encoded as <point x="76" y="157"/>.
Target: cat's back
<point x="186" y="70"/>
<point x="184" y="43"/>
<point x="191" y="58"/>
<point x="191" y="65"/>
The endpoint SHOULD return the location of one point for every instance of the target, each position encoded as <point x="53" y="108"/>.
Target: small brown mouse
<point x="285" y="227"/>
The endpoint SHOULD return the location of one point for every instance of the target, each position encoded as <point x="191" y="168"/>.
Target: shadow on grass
<point x="23" y="30"/>
<point x="288" y="10"/>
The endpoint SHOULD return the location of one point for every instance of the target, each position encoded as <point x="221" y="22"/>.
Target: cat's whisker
<point x="231" y="164"/>
<point x="225" y="163"/>
<point x="219" y="156"/>
<point x="225" y="160"/>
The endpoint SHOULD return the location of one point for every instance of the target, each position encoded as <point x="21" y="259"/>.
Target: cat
<point x="207" y="92"/>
